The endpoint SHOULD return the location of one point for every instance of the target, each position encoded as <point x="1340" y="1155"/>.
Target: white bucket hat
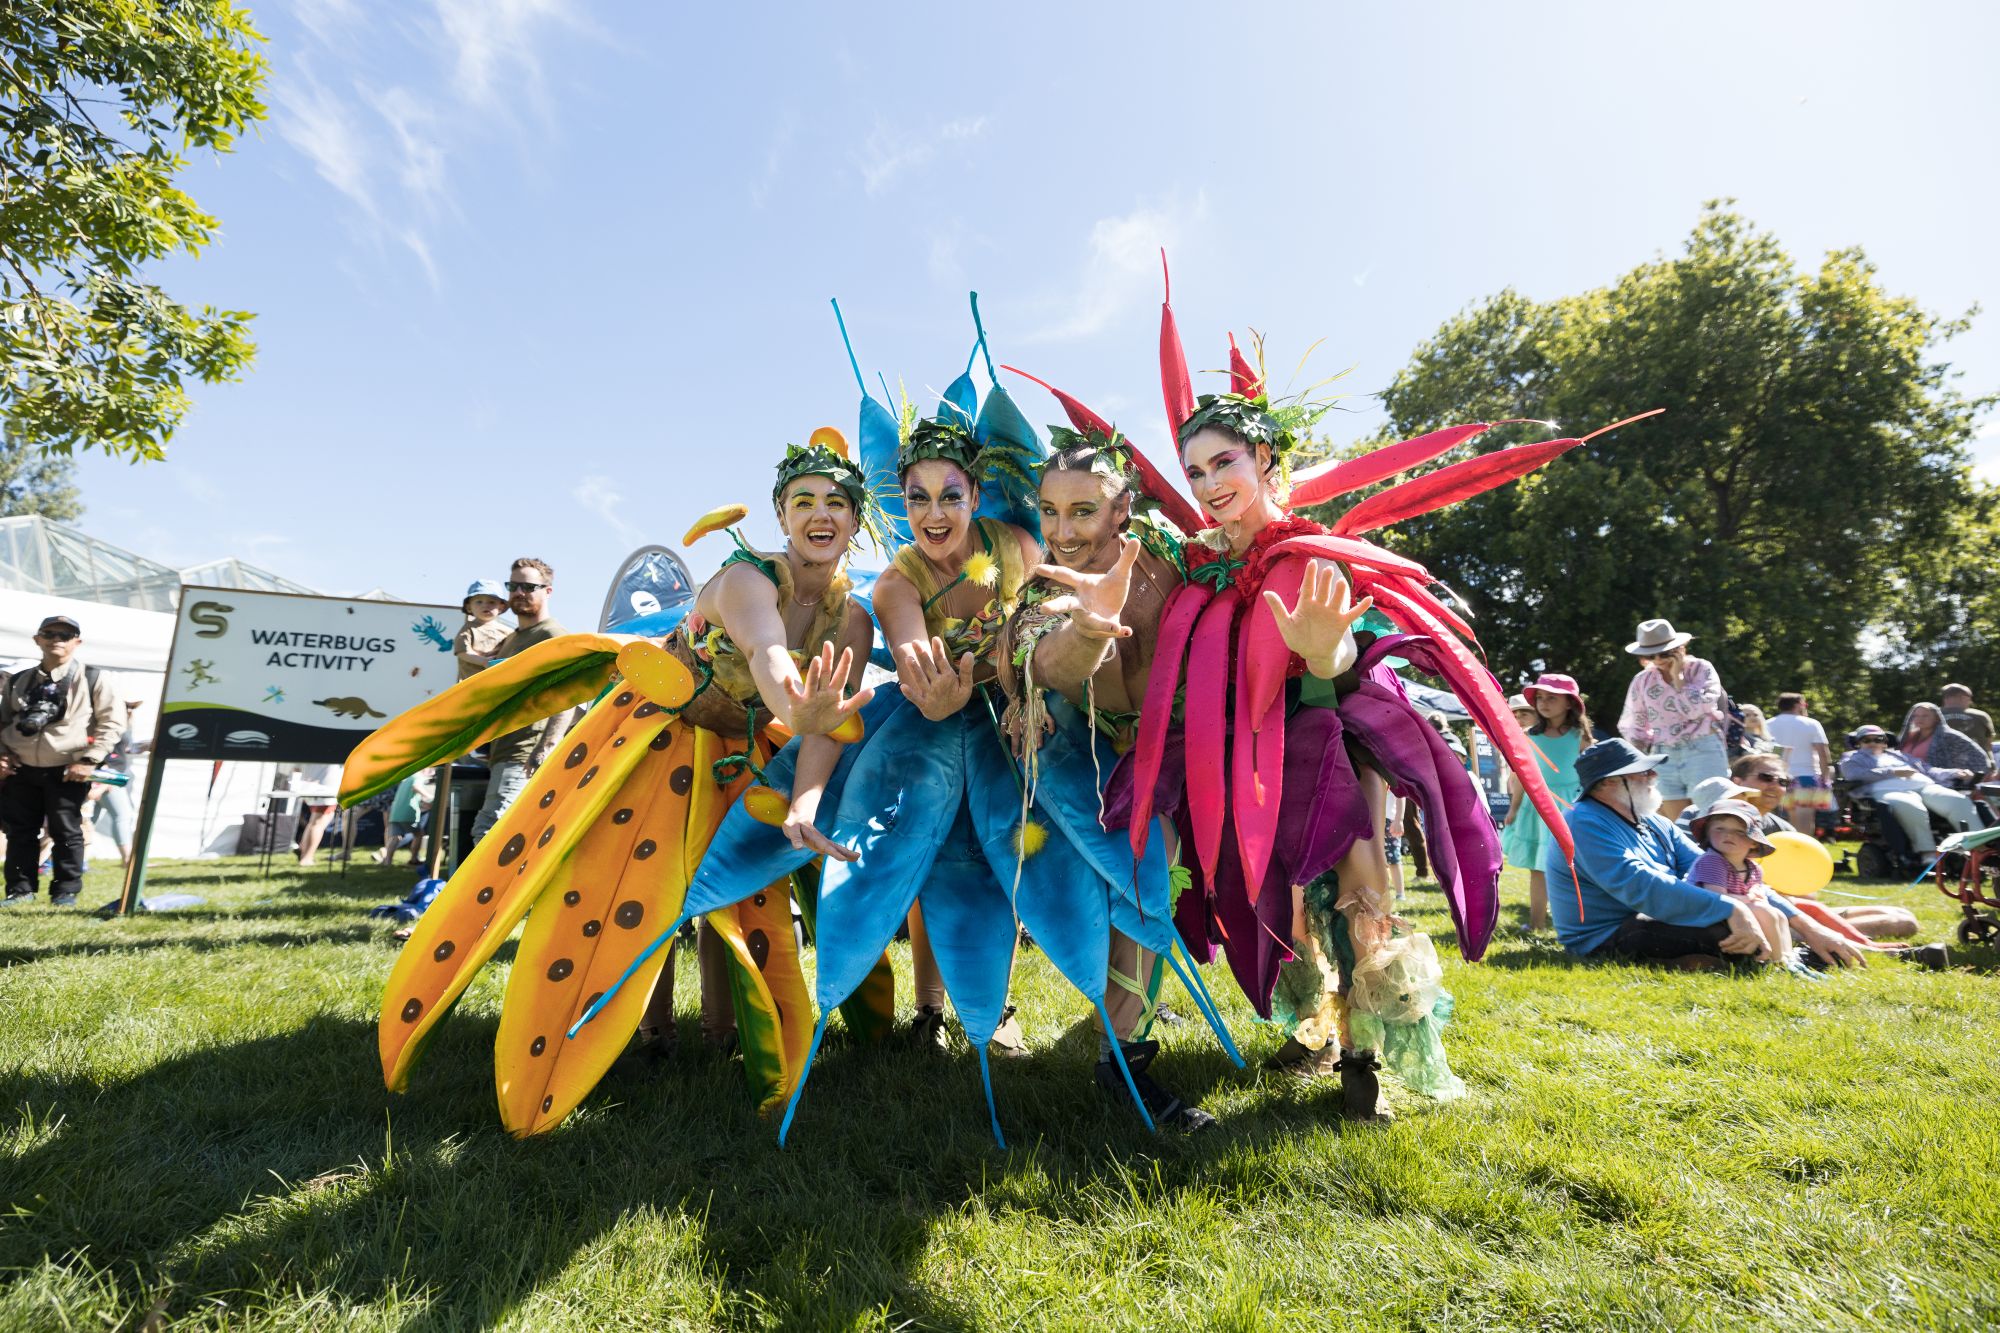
<point x="1656" y="637"/>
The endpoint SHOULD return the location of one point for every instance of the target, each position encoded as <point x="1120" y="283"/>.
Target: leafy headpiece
<point x="1250" y="419"/>
<point x="1110" y="452"/>
<point x="825" y="455"/>
<point x="942" y="437"/>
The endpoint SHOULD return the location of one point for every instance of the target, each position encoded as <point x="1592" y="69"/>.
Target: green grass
<point x="195" y="1130"/>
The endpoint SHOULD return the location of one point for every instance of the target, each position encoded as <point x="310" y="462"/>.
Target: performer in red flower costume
<point x="1272" y="735"/>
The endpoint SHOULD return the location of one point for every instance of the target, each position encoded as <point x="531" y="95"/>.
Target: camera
<point x="36" y="716"/>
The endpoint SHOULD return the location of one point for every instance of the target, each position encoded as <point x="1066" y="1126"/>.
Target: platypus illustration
<point x="347" y="705"/>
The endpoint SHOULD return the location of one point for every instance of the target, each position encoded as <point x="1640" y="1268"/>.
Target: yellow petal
<point x="715" y="520"/>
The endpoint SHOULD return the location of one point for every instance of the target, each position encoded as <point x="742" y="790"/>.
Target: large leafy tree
<point x="1808" y="483"/>
<point x="98" y="100"/>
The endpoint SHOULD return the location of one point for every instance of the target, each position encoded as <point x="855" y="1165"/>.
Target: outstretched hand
<point x="818" y="700"/>
<point x="802" y="833"/>
<point x="931" y="682"/>
<point x="1317" y="629"/>
<point x="1095" y="601"/>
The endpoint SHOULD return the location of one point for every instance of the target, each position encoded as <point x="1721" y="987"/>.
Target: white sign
<point x="279" y="676"/>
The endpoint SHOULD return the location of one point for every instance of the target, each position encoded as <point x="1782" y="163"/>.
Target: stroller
<point x="1973" y="882"/>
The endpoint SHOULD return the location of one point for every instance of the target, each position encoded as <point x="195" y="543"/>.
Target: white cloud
<point x="495" y="40"/>
<point x="602" y="496"/>
<point x="889" y="153"/>
<point x="1122" y="267"/>
<point x="322" y="127"/>
<point x="775" y="153"/>
<point x="386" y="147"/>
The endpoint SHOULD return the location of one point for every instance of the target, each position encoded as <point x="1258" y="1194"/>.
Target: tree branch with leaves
<point x="92" y="355"/>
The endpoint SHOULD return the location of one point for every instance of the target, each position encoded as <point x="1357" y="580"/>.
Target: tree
<point x="97" y="100"/>
<point x="33" y="481"/>
<point x="1809" y="475"/>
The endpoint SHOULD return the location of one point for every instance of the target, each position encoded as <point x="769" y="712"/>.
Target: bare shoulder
<point x="1031" y="550"/>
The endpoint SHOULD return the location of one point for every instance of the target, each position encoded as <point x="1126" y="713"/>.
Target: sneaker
<point x="17" y="900"/>
<point x="1360" y="1090"/>
<point x="1293" y="1058"/>
<point x="1167" y="1110"/>
<point x="927" y="1029"/>
<point x="1008" y="1040"/>
<point x="1930" y="957"/>
<point x="65" y="900"/>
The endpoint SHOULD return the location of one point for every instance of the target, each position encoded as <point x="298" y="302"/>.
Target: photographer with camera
<point x="57" y="722"/>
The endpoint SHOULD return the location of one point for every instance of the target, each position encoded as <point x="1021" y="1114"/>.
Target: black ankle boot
<point x="1360" y="1090"/>
<point x="927" y="1029"/>
<point x="1167" y="1109"/>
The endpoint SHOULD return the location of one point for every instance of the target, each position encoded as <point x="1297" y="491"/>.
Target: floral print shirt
<point x="1657" y="715"/>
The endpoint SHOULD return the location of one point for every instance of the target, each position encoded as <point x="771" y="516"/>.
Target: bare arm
<point x="817" y="756"/>
<point x="931" y="681"/>
<point x="1825" y="761"/>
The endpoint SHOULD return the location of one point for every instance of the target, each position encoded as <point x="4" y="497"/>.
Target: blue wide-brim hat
<point x="484" y="588"/>
<point x="1613" y="759"/>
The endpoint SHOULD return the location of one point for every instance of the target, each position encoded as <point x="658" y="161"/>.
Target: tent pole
<point x="142" y="836"/>
<point x="149" y="795"/>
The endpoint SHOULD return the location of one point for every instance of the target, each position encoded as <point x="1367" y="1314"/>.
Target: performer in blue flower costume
<point x="928" y="811"/>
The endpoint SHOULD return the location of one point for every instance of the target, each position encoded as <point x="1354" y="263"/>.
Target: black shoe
<point x="1167" y="1110"/>
<point x="927" y="1029"/>
<point x="17" y="900"/>
<point x="66" y="900"/>
<point x="1360" y="1090"/>
<point x="1930" y="957"/>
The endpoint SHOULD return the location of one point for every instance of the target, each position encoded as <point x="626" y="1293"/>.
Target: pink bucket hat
<point x="1550" y="682"/>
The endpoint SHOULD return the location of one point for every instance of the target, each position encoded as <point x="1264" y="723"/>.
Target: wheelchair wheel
<point x="1871" y="861"/>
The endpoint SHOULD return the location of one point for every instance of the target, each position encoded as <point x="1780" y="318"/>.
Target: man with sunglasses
<point x="513" y="758"/>
<point x="57" y="722"/>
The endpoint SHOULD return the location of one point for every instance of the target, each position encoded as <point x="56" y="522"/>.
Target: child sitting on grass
<point x="1730" y="830"/>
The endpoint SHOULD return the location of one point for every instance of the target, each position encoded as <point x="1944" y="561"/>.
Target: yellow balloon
<point x="1800" y="867"/>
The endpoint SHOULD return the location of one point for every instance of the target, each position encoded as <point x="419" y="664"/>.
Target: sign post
<point x="285" y="678"/>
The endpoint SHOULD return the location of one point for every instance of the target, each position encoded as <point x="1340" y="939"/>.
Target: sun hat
<point x="1656" y="637"/>
<point x="483" y="588"/>
<point x="1759" y="844"/>
<point x="1615" y="758"/>
<point x="1550" y="682"/>
<point x="1868" y="732"/>
<point x="1710" y="790"/>
<point x="1518" y="703"/>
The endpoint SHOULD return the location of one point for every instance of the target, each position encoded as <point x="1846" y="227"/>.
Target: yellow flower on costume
<point x="981" y="568"/>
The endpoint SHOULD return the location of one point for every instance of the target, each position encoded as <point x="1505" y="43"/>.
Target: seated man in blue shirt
<point x="1631" y="864"/>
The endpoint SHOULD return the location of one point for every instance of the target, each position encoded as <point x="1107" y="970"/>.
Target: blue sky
<point x="551" y="276"/>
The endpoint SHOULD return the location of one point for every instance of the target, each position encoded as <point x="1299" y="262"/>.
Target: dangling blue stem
<point x="986" y="1077"/>
<point x="792" y="1106"/>
<point x="846" y="342"/>
<point x="980" y="328"/>
<point x="1191" y="981"/>
<point x="597" y="1005"/>
<point x="1118" y="1054"/>
<point x="888" y="399"/>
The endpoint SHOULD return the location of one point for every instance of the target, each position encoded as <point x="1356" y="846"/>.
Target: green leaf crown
<point x="816" y="460"/>
<point x="1251" y="420"/>
<point x="942" y="438"/>
<point x="1110" y="456"/>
